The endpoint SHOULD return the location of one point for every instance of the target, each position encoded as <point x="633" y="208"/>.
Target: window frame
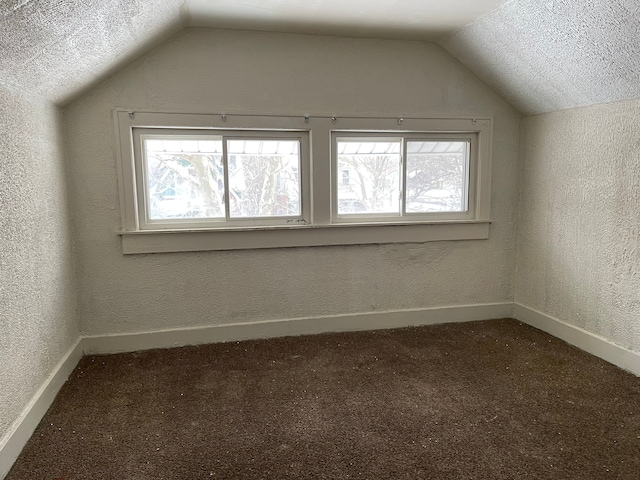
<point x="471" y="170"/>
<point x="142" y="200"/>
<point x="319" y="225"/>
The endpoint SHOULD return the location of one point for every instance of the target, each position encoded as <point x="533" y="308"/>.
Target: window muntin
<point x="414" y="177"/>
<point x="190" y="179"/>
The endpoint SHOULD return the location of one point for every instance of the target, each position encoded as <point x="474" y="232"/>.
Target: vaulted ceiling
<point x="58" y="48"/>
<point x="416" y="19"/>
<point x="546" y="55"/>
<point x="541" y="55"/>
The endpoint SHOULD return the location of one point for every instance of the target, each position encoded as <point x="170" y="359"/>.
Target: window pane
<point x="437" y="176"/>
<point x="264" y="178"/>
<point x="369" y="176"/>
<point x="184" y="178"/>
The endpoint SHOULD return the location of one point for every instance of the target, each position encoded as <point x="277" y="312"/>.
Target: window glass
<point x="264" y="178"/>
<point x="370" y="182"/>
<point x="184" y="172"/>
<point x="184" y="178"/>
<point x="436" y="176"/>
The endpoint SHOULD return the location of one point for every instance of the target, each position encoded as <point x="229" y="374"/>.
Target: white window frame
<point x="319" y="224"/>
<point x="403" y="138"/>
<point x="145" y="223"/>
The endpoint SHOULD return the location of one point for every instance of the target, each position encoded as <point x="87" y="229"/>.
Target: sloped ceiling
<point x="541" y="55"/>
<point x="546" y="55"/>
<point x="57" y="48"/>
<point x="414" y="19"/>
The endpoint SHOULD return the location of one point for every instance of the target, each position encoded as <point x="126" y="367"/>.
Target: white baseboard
<point x="13" y="442"/>
<point x="291" y="327"/>
<point x="16" y="438"/>
<point x="589" y="342"/>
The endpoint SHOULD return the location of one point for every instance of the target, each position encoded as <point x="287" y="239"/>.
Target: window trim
<point x="144" y="223"/>
<point x="321" y="230"/>
<point x="403" y="216"/>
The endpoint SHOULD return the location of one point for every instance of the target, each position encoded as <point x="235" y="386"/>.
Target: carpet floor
<point x="483" y="400"/>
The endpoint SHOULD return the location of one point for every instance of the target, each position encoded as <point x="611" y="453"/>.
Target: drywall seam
<point x="67" y="178"/>
<point x="102" y="344"/>
<point x="18" y="435"/>
<point x="516" y="223"/>
<point x="589" y="342"/>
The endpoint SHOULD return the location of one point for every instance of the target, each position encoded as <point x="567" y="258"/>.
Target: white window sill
<point x="164" y="241"/>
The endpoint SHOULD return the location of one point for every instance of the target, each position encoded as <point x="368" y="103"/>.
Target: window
<point x="201" y="179"/>
<point x="207" y="182"/>
<point x="412" y="177"/>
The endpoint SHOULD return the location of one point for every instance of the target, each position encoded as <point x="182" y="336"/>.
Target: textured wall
<point x="234" y="71"/>
<point x="556" y="54"/>
<point x="579" y="226"/>
<point x="56" y="48"/>
<point x="38" y="320"/>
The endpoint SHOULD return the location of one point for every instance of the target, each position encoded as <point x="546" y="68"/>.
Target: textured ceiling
<point x="416" y="19"/>
<point x="555" y="54"/>
<point x="57" y="48"/>
<point x="541" y="55"/>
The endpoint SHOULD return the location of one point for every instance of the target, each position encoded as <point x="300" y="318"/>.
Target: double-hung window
<point x="192" y="182"/>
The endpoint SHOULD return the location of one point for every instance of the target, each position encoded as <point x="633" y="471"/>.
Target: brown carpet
<point x="484" y="400"/>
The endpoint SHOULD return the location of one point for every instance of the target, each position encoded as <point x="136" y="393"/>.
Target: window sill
<point x="165" y="241"/>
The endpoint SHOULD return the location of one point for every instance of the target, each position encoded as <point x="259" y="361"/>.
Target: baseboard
<point x="16" y="438"/>
<point x="291" y="327"/>
<point x="589" y="342"/>
<point x="14" y="441"/>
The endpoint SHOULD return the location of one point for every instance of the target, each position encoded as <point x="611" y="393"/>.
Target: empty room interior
<point x="329" y="239"/>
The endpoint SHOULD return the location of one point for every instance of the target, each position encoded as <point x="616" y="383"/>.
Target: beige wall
<point x="579" y="225"/>
<point x="204" y="70"/>
<point x="38" y="321"/>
